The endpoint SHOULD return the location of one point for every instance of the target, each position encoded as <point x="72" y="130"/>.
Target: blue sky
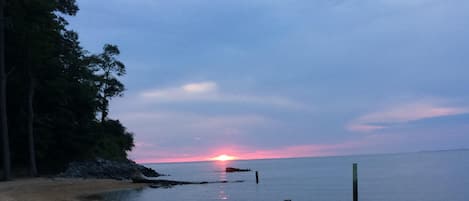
<point x="258" y="79"/>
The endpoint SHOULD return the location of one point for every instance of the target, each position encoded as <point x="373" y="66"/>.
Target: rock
<point x="138" y="177"/>
<point x="106" y="169"/>
<point x="232" y="169"/>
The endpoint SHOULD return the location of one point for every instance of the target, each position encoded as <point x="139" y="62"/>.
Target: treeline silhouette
<point x="54" y="97"/>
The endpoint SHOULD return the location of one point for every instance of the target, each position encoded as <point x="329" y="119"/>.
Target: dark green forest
<point x="54" y="99"/>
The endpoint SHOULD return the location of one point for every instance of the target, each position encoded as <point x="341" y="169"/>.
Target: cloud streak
<point x="201" y="87"/>
<point x="403" y="113"/>
<point x="241" y="152"/>
<point x="155" y="155"/>
<point x="208" y="91"/>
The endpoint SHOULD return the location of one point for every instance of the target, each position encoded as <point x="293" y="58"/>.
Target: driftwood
<point x="232" y="169"/>
<point x="162" y="183"/>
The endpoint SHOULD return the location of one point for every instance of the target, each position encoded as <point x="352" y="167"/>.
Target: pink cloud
<point x="244" y="153"/>
<point x="403" y="113"/>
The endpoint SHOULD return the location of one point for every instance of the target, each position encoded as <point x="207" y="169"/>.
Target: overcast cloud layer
<point x="261" y="79"/>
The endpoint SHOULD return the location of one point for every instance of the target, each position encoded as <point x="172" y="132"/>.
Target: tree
<point x="30" y="119"/>
<point x="3" y="99"/>
<point x="109" y="68"/>
<point x="56" y="91"/>
<point x="35" y="34"/>
<point x="45" y="41"/>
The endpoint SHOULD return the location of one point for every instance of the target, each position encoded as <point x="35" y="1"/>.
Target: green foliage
<point x="71" y="88"/>
<point x="112" y="140"/>
<point x="107" y="68"/>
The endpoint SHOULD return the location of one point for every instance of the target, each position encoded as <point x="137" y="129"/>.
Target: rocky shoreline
<point x="106" y="169"/>
<point x="124" y="170"/>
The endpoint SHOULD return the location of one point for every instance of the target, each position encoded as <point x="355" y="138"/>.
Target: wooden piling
<point x="355" y="183"/>
<point x="257" y="177"/>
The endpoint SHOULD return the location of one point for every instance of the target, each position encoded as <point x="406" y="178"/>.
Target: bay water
<point x="423" y="176"/>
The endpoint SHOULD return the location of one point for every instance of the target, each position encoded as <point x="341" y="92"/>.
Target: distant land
<point x="445" y="150"/>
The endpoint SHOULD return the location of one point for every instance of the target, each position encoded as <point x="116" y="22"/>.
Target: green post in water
<point x="355" y="183"/>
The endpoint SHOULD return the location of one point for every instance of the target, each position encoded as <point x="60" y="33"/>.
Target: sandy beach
<point x="59" y="189"/>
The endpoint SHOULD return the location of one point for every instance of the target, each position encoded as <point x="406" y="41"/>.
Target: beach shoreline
<point x="60" y="189"/>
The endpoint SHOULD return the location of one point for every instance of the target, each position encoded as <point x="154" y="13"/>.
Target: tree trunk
<point x="104" y="109"/>
<point x="103" y="116"/>
<point x="3" y="100"/>
<point x="30" y="126"/>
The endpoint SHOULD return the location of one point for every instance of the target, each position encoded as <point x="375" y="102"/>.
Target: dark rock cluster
<point x="106" y="169"/>
<point x="232" y="169"/>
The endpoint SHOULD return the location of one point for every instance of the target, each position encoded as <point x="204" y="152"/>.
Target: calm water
<point x="426" y="176"/>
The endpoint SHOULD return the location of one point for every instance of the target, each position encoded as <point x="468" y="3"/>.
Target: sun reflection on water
<point x="222" y="176"/>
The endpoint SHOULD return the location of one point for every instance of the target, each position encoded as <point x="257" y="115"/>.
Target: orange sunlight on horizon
<point x="223" y="157"/>
<point x="229" y="153"/>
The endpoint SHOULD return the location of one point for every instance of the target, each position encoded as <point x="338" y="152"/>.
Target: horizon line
<point x="302" y="157"/>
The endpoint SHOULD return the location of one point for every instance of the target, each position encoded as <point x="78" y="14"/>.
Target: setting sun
<point x="223" y="157"/>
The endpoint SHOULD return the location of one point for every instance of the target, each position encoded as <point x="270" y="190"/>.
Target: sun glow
<point x="223" y="157"/>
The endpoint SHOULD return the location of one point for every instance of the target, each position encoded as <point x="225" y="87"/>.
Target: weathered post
<point x="257" y="177"/>
<point x="355" y="183"/>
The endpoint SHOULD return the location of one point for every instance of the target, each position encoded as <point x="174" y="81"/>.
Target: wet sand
<point x="59" y="189"/>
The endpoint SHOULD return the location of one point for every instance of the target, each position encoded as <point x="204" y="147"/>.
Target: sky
<point x="286" y="78"/>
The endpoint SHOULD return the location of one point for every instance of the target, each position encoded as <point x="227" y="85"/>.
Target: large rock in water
<point x="106" y="169"/>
